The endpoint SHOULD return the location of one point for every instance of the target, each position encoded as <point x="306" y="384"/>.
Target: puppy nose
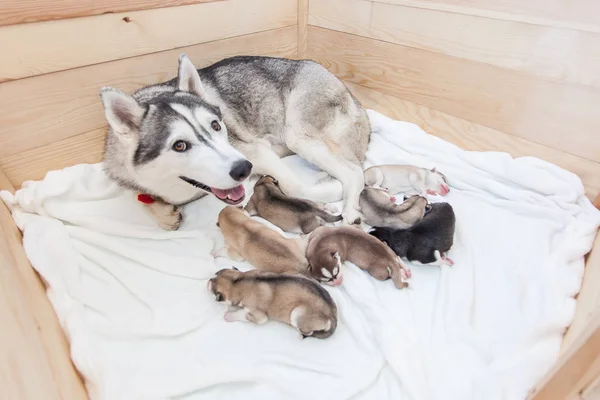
<point x="240" y="170"/>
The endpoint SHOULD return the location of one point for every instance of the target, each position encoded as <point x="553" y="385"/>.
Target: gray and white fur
<point x="407" y="179"/>
<point x="208" y="129"/>
<point x="379" y="209"/>
<point x="425" y="242"/>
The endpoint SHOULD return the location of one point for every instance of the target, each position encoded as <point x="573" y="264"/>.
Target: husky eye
<point x="215" y="125"/>
<point x="180" y="146"/>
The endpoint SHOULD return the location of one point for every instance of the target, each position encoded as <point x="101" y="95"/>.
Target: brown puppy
<point x="263" y="247"/>
<point x="288" y="213"/>
<point x="328" y="247"/>
<point x="379" y="209"/>
<point x="258" y="296"/>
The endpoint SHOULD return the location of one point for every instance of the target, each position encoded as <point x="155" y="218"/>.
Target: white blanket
<point x="133" y="300"/>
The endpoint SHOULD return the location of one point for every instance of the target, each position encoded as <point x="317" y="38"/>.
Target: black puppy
<point x="427" y="240"/>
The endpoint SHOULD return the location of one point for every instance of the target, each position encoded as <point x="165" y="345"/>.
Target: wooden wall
<point x="515" y="76"/>
<point x="63" y="51"/>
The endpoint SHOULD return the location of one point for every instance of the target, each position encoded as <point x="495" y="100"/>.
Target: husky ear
<point x="188" y="79"/>
<point x="122" y="111"/>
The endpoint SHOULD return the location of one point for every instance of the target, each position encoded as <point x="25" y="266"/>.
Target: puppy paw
<point x="447" y="261"/>
<point x="352" y="217"/>
<point x="229" y="317"/>
<point x="405" y="273"/>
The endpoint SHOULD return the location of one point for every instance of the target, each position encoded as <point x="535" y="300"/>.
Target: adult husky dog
<point x="207" y="130"/>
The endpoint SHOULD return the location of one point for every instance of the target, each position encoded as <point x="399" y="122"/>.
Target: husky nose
<point x="240" y="170"/>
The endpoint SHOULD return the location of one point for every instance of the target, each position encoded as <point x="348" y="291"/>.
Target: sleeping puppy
<point x="288" y="213"/>
<point x="258" y="296"/>
<point x="379" y="209"/>
<point x="427" y="241"/>
<point x="263" y="247"/>
<point x="329" y="247"/>
<point x="407" y="179"/>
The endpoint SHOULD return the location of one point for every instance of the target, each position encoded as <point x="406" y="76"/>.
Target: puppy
<point x="263" y="247"/>
<point x="328" y="247"/>
<point x="379" y="209"/>
<point x="407" y="179"/>
<point x="288" y="213"/>
<point x="427" y="241"/>
<point x="258" y="296"/>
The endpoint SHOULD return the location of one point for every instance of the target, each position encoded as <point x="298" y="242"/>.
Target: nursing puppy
<point x="426" y="241"/>
<point x="329" y="247"/>
<point x="259" y="296"/>
<point x="379" y="209"/>
<point x="263" y="247"/>
<point x="407" y="179"/>
<point x="288" y="213"/>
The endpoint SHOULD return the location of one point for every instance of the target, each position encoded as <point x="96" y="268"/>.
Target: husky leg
<point x="166" y="215"/>
<point x="267" y="162"/>
<point x="347" y="172"/>
<point x="237" y="315"/>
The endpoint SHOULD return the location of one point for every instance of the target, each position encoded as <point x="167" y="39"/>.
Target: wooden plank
<point x="556" y="53"/>
<point x="556" y="114"/>
<point x="583" y="15"/>
<point x="33" y="349"/>
<point x="76" y="42"/>
<point x="471" y="136"/>
<point x="575" y="369"/>
<point x="302" y="28"/>
<point x="35" y="163"/>
<point x="22" y="11"/>
<point x="588" y="299"/>
<point x="592" y="392"/>
<point x="44" y="109"/>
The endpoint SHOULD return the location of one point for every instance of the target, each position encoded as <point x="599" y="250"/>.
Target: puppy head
<point x="266" y="180"/>
<point x="221" y="284"/>
<point x="326" y="267"/>
<point x="436" y="183"/>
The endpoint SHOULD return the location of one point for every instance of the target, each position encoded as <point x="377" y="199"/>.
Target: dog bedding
<point x="133" y="299"/>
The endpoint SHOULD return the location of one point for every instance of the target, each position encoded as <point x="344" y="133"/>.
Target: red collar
<point x="145" y="198"/>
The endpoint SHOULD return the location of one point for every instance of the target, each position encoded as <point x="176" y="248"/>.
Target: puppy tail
<point x="327" y="217"/>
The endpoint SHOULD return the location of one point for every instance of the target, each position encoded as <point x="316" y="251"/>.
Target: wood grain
<point x="302" y="28"/>
<point x="470" y="136"/>
<point x="556" y="114"/>
<point x="86" y="148"/>
<point x="44" y="109"/>
<point x="588" y="299"/>
<point x="34" y="351"/>
<point x="581" y="15"/>
<point x="22" y="11"/>
<point x="71" y="43"/>
<point x="561" y="54"/>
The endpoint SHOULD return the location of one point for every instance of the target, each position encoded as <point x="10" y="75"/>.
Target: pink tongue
<point x="234" y="194"/>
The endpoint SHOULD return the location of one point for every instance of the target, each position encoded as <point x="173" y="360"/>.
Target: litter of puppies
<point x="285" y="284"/>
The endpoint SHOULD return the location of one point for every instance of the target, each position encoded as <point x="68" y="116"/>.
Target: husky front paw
<point x="352" y="217"/>
<point x="167" y="216"/>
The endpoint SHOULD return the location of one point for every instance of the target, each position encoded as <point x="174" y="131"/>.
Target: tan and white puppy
<point x="257" y="296"/>
<point x="329" y="247"/>
<point x="263" y="247"/>
<point x="288" y="213"/>
<point x="407" y="179"/>
<point x="379" y="209"/>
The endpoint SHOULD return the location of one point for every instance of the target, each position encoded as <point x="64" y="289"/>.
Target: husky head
<point x="436" y="182"/>
<point x="169" y="141"/>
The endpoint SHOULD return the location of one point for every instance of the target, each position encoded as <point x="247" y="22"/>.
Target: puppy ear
<point x="188" y="79"/>
<point x="123" y="113"/>
<point x="433" y="169"/>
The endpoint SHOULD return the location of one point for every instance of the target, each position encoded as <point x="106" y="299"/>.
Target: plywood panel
<point x="21" y="11"/>
<point x="76" y="42"/>
<point x="559" y="115"/>
<point x="44" y="109"/>
<point x="471" y="136"/>
<point x="302" y="28"/>
<point x="34" y="352"/>
<point x="561" y="54"/>
<point x="572" y="14"/>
